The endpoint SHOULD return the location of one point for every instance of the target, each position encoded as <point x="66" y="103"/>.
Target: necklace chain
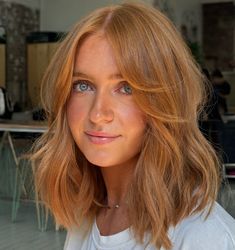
<point x="115" y="206"/>
<point x="107" y="206"/>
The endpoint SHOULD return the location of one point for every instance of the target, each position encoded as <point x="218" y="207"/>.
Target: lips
<point x="97" y="137"/>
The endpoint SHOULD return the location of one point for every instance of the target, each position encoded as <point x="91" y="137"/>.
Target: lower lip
<point x="101" y="140"/>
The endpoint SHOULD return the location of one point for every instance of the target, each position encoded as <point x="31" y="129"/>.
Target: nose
<point x="101" y="109"/>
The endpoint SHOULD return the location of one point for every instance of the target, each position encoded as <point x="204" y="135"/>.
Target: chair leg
<point x="42" y="216"/>
<point x="16" y="159"/>
<point x="16" y="196"/>
<point x="19" y="185"/>
<point x="42" y="212"/>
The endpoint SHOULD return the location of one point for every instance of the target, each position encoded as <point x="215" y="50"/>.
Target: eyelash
<point x="78" y="84"/>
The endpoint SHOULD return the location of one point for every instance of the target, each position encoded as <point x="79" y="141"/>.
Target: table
<point x="7" y="127"/>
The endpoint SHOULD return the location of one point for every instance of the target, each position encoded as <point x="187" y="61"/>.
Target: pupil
<point x="128" y="89"/>
<point x="83" y="86"/>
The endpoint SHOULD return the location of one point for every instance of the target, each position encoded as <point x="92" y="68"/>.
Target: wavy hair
<point x="177" y="173"/>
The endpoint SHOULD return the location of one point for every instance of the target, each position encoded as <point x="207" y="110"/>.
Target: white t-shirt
<point x="217" y="232"/>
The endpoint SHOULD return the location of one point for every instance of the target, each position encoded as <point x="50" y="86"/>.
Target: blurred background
<point x="30" y="31"/>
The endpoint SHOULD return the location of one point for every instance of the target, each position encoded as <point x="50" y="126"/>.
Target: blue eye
<point x="81" y="86"/>
<point x="126" y="89"/>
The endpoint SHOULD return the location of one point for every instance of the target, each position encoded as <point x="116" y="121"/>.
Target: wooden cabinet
<point x="38" y="58"/>
<point x="2" y="65"/>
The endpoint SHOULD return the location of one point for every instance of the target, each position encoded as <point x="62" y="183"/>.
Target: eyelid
<point x="81" y="81"/>
<point x="122" y="83"/>
<point x="77" y="81"/>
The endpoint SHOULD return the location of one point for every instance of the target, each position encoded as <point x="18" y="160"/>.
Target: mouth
<point x="100" y="137"/>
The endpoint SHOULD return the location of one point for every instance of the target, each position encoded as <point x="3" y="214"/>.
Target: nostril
<point x="101" y="112"/>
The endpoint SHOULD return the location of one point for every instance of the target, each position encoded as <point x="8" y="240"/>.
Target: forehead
<point x="95" y="55"/>
<point x="94" y="45"/>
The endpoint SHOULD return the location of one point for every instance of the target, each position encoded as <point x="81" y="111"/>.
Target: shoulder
<point x="215" y="232"/>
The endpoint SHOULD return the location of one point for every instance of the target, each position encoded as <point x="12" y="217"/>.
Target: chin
<point x="101" y="159"/>
<point x="102" y="164"/>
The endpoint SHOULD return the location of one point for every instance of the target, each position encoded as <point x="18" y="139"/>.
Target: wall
<point x="189" y="13"/>
<point x="60" y="15"/>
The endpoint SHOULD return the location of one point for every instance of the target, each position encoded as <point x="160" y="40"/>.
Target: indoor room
<point x="33" y="35"/>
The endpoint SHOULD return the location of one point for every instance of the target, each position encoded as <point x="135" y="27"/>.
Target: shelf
<point x="229" y="170"/>
<point x="229" y="176"/>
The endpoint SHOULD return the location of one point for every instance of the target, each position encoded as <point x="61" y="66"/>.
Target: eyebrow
<point x="111" y="77"/>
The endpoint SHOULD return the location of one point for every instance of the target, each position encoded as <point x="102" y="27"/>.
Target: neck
<point x="117" y="180"/>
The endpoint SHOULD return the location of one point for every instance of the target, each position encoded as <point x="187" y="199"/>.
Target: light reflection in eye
<point x="126" y="89"/>
<point x="81" y="86"/>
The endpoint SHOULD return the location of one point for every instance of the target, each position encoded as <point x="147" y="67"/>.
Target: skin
<point x="106" y="125"/>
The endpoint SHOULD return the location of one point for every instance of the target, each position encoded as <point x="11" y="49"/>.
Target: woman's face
<point x="104" y="120"/>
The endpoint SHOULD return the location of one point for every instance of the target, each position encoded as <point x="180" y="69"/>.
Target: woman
<point x="123" y="164"/>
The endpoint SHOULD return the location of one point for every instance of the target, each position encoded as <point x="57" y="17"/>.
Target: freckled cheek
<point x="75" y="112"/>
<point x="133" y="116"/>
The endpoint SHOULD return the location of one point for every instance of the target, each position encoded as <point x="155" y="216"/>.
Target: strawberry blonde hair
<point x="177" y="171"/>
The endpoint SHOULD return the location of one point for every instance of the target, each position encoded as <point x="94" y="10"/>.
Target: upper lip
<point x="100" y="134"/>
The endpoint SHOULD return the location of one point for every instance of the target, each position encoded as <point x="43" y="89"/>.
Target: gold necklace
<point x="106" y="206"/>
<point x="115" y="206"/>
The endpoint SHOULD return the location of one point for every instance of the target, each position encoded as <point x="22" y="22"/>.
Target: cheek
<point x="135" y="119"/>
<point x="131" y="112"/>
<point x="75" y="111"/>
